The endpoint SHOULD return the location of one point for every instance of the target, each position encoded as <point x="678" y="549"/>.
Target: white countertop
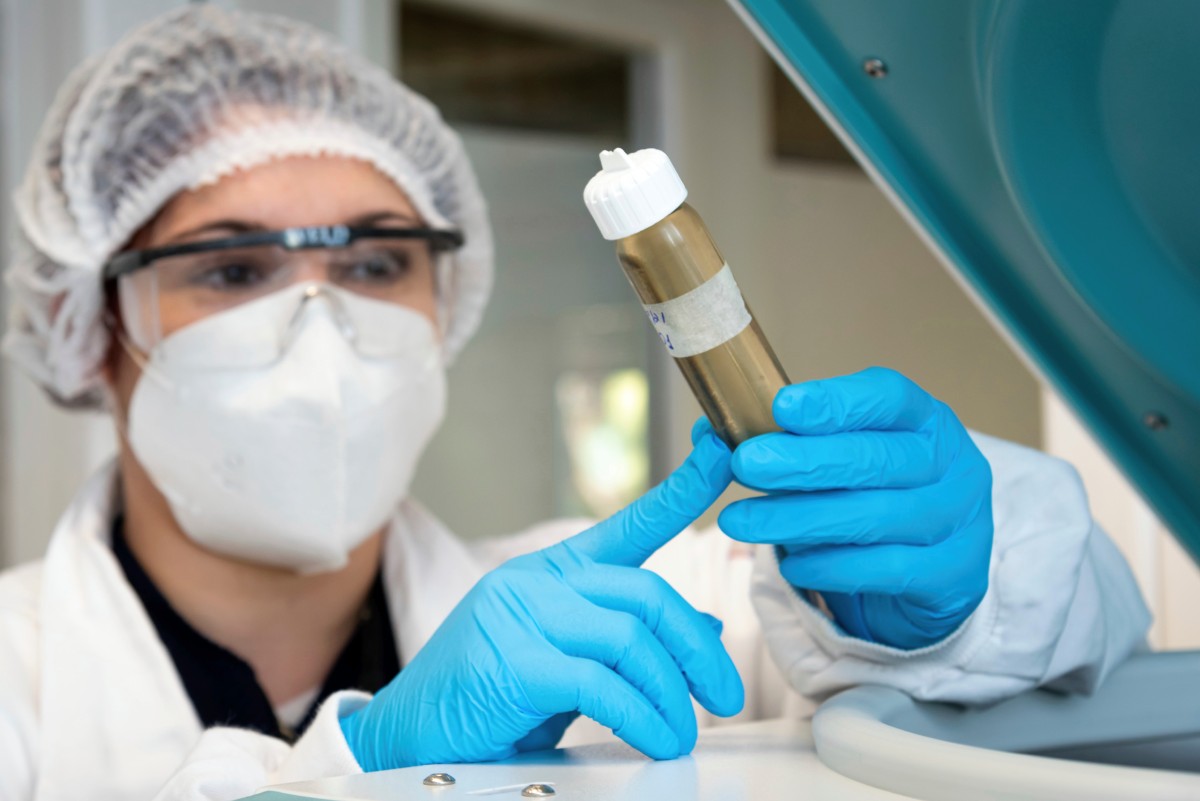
<point x="767" y="760"/>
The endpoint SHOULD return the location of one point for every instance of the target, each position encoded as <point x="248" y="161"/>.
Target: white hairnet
<point x="182" y="101"/>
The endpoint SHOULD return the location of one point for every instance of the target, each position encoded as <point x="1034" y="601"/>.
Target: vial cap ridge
<point x="633" y="191"/>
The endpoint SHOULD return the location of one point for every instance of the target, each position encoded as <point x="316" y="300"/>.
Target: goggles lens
<point x="178" y="290"/>
<point x="259" y="333"/>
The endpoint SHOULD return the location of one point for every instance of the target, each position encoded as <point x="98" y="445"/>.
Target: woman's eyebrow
<point x="376" y="217"/>
<point x="232" y="227"/>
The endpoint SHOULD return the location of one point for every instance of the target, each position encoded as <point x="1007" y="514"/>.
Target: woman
<point x="258" y="253"/>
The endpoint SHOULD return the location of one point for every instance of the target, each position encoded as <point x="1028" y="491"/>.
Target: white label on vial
<point x="709" y="315"/>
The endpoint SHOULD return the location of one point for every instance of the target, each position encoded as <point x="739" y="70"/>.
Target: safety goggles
<point x="165" y="289"/>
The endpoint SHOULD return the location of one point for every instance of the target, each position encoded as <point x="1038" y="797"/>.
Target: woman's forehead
<point x="296" y="191"/>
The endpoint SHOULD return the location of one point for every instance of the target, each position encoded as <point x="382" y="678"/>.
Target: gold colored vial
<point x="734" y="382"/>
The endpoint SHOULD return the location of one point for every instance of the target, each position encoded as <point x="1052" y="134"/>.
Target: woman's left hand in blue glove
<point x="577" y="628"/>
<point x="877" y="499"/>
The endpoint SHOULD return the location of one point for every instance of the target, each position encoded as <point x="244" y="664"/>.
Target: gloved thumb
<point x="631" y="535"/>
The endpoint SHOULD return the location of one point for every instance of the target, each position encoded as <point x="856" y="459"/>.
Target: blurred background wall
<point x="564" y="404"/>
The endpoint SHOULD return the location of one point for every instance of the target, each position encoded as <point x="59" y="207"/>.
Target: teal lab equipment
<point x="1046" y="151"/>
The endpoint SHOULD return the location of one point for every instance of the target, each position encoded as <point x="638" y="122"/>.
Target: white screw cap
<point x="633" y="191"/>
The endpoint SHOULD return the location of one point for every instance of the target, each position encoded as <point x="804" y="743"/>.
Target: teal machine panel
<point x="1048" y="150"/>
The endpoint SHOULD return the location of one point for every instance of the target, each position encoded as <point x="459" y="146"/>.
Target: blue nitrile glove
<point x="878" y="499"/>
<point x="575" y="628"/>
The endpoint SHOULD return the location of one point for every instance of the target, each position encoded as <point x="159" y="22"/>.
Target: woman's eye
<point x="381" y="266"/>
<point x="232" y="275"/>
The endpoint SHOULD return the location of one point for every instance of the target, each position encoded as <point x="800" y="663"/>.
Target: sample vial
<point x="687" y="290"/>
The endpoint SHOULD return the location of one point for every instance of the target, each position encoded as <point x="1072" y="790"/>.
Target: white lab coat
<point x="92" y="707"/>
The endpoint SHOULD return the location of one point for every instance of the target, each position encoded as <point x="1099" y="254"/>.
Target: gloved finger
<point x="933" y="577"/>
<point x="570" y="684"/>
<point x="699" y="428"/>
<point x="622" y="643"/>
<point x="854" y="460"/>
<point x="876" y="398"/>
<point x="631" y="535"/>
<point x="922" y="516"/>
<point x="686" y="635"/>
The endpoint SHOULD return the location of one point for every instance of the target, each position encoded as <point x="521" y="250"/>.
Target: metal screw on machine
<point x="438" y="780"/>
<point x="875" y="67"/>
<point x="1155" y="421"/>
<point x="537" y="791"/>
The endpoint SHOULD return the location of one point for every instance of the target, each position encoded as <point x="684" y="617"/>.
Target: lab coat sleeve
<point x="1061" y="610"/>
<point x="229" y="763"/>
<point x="18" y="685"/>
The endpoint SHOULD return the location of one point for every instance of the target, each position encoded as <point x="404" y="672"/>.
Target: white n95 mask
<point x="285" y="431"/>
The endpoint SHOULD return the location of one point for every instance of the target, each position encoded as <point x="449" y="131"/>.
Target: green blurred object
<point x="1047" y="151"/>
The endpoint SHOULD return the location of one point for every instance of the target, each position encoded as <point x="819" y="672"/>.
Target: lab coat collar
<point x="112" y="703"/>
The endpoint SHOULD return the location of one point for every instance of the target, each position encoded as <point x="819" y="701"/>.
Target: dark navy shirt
<point x="223" y="688"/>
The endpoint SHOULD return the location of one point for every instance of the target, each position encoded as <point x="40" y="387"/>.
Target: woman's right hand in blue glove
<point x="878" y="499"/>
<point x="575" y="628"/>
